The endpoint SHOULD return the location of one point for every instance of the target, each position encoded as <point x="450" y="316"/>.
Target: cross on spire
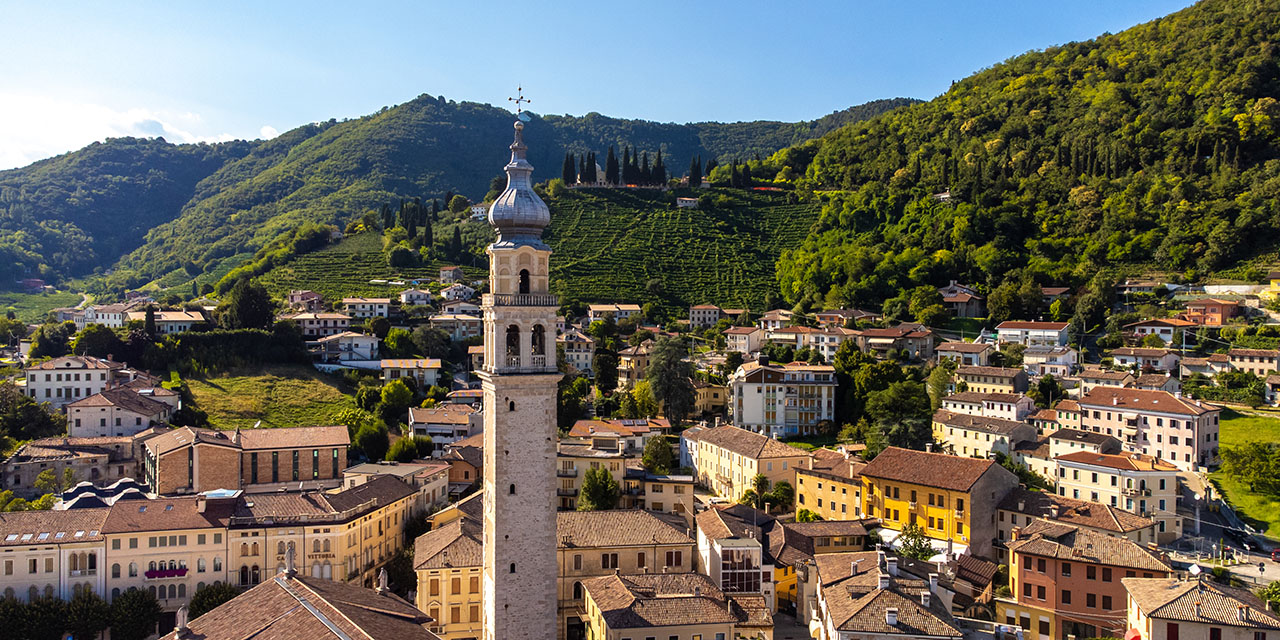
<point x="519" y="99"/>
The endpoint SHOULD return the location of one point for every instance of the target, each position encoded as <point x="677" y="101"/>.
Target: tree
<point x="398" y="344"/>
<point x="903" y="410"/>
<point x="939" y="381"/>
<point x="1154" y="341"/>
<point x="46" y="619"/>
<point x="782" y="496"/>
<point x="134" y="615"/>
<point x="403" y="450"/>
<point x="248" y="306"/>
<point x="23" y="418"/>
<point x="372" y="440"/>
<point x="695" y="172"/>
<point x="397" y="396"/>
<point x="98" y="341"/>
<point x="605" y="365"/>
<point x="805" y="515"/>
<point x="567" y="170"/>
<point x="149" y="322"/>
<point x="458" y="204"/>
<point x="48" y="482"/>
<point x="646" y="403"/>
<point x="912" y="543"/>
<point x="599" y="490"/>
<point x="1271" y="594"/>
<point x="52" y="340"/>
<point x="1047" y="391"/>
<point x="432" y="342"/>
<point x="757" y="495"/>
<point x="611" y="167"/>
<point x="671" y="377"/>
<point x="87" y="615"/>
<point x="210" y="597"/>
<point x="13" y="619"/>
<point x="658" y="457"/>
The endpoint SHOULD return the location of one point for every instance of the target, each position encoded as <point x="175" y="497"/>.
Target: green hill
<point x="626" y="245"/>
<point x="1154" y="148"/>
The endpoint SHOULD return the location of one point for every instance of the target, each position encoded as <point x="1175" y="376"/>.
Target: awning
<point x="1133" y="634"/>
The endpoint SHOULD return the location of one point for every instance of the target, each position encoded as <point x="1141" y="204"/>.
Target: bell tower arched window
<point x="513" y="346"/>
<point x="524" y="281"/>
<point x="539" y="341"/>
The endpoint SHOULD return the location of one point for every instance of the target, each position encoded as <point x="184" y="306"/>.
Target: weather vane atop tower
<point x="519" y="100"/>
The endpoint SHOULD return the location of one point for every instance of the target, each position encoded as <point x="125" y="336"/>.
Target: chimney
<point x="1015" y="533"/>
<point x="853" y="567"/>
<point x="1115" y="400"/>
<point x="884" y="581"/>
<point x="891" y="616"/>
<point x="201" y="503"/>
<point x="1053" y="511"/>
<point x="892" y="564"/>
<point x="924" y="599"/>
<point x="928" y="447"/>
<point x="1022" y="506"/>
<point x="933" y="583"/>
<point x="762" y="360"/>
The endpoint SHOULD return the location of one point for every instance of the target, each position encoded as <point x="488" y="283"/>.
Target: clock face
<point x="524" y="117"/>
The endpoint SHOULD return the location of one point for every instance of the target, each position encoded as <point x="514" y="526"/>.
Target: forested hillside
<point x="82" y="210"/>
<point x="1152" y="148"/>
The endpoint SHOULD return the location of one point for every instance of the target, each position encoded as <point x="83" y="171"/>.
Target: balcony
<point x="84" y="572"/>
<point x="161" y="574"/>
<point x="521" y="300"/>
<point x="566" y="473"/>
<point x="959" y="515"/>
<point x="567" y="493"/>
<point x="1134" y="491"/>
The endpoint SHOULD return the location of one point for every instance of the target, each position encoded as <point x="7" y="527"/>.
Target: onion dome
<point x="519" y="215"/>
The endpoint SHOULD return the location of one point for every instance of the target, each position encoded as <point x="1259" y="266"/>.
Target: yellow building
<point x="684" y="606"/>
<point x="448" y="561"/>
<point x="832" y="491"/>
<point x="952" y="498"/>
<point x="574" y="458"/>
<point x="725" y="459"/>
<point x="992" y="379"/>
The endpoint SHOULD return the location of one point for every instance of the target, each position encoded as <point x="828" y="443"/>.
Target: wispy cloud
<point x="34" y="127"/>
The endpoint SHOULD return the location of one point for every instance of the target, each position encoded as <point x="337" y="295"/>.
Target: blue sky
<point x="75" y="72"/>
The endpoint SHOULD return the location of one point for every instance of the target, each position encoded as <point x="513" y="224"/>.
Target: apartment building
<point x="1134" y="482"/>
<point x="1168" y="608"/>
<point x="61" y="381"/>
<point x="952" y="498"/>
<point x="727" y="458"/>
<point x="782" y="400"/>
<point x="633" y="363"/>
<point x="678" y="606"/>
<point x="775" y="319"/>
<point x="978" y="436"/>
<point x="448" y="561"/>
<point x="1259" y="362"/>
<point x="992" y="379"/>
<point x="1022" y="507"/>
<point x="733" y="550"/>
<point x="364" y="308"/>
<point x="458" y="326"/>
<point x="1006" y="406"/>
<point x="1164" y="425"/>
<point x="579" y="350"/>
<point x="52" y="554"/>
<point x="833" y="490"/>
<point x="744" y="340"/>
<point x="702" y="316"/>
<point x="1033" y="334"/>
<point x="1066" y="581"/>
<point x="1050" y="360"/>
<point x="1093" y="378"/>
<point x="1146" y="358"/>
<point x="118" y="411"/>
<point x="319" y="324"/>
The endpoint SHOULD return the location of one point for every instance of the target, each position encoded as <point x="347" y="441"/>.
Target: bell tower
<point x="519" y="379"/>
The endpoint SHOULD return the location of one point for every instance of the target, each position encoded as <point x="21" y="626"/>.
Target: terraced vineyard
<point x="611" y="243"/>
<point x="345" y="269"/>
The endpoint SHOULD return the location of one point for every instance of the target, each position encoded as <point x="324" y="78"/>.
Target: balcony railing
<point x="568" y="493"/>
<point x="566" y="473"/>
<point x="521" y="300"/>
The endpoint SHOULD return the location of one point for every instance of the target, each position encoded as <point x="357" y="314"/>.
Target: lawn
<point x="968" y="328"/>
<point x="278" y="396"/>
<point x="32" y="307"/>
<point x="1260" y="510"/>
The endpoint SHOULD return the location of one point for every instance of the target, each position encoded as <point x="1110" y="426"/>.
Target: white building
<point x="425" y="372"/>
<point x="782" y="400"/>
<point x="1033" y="333"/>
<point x="1006" y="406"/>
<point x="319" y="325"/>
<point x="619" y="311"/>
<point x="348" y="346"/>
<point x="459" y="327"/>
<point x="458" y="291"/>
<point x="1055" y="360"/>
<point x="118" y="411"/>
<point x="445" y="424"/>
<point x="415" y="297"/>
<point x="744" y="340"/>
<point x="1146" y="359"/>
<point x="1134" y="482"/>
<point x="61" y="381"/>
<point x="367" y="307"/>
<point x="579" y="349"/>
<point x="1166" y="426"/>
<point x="108" y="315"/>
<point x="168" y="322"/>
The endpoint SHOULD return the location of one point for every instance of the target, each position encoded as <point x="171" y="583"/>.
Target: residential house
<point x="459" y="327"/>
<point x="1166" y="426"/>
<point x="457" y="291"/>
<point x="466" y="464"/>
<point x="1134" y="482"/>
<point x="965" y="354"/>
<point x="429" y="477"/>
<point x="304" y="300"/>
<point x="1035" y="456"/>
<point x="782" y="400"/>
<point x="954" y="288"/>
<point x="664" y="493"/>
<point x="459" y="307"/>
<point x="415" y="297"/>
<point x="1033" y="334"/>
<point x="1022" y="507"/>
<point x="1146" y="358"/>
<point x="445" y="424"/>
<point x="1008" y="406"/>
<point x="1049" y="295"/>
<point x="978" y="436"/>
<point x="727" y="458"/>
<point x="622" y="434"/>
<point x="1064" y="441"/>
<point x="170" y="322"/>
<point x="702" y="316"/>
<point x="620" y="311"/>
<point x="364" y="308"/>
<point x="744" y="340"/>
<point x="191" y="460"/>
<point x="316" y="324"/>
<point x="633" y="363"/>
<point x="1167" y="329"/>
<point x="915" y="339"/>
<point x="842" y="317"/>
<point x="1158" y="382"/>
<point x="1210" y="366"/>
<point x="1050" y="360"/>
<point x="448" y="561"/>
<point x="293" y="605"/>
<point x="1210" y="312"/>
<point x="1259" y="362"/>
<point x="850" y="596"/>
<point x="451" y="274"/>
<point x="1131" y="287"/>
<point x="775" y="319"/>
<point x="670" y="605"/>
<point x="1067" y="579"/>
<point x="475" y="357"/>
<point x="965" y="305"/>
<point x="63" y="380"/>
<point x="112" y="316"/>
<point x="709" y="399"/>
<point x="118" y="411"/>
<point x="952" y="498"/>
<point x="424" y="372"/>
<point x="1093" y="378"/>
<point x="578" y="348"/>
<point x="992" y="379"/>
<point x="1167" y="608"/>
<point x="733" y="551"/>
<point x="347" y="346"/>
<point x="792" y="545"/>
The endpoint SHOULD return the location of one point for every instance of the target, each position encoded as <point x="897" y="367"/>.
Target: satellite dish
<point x="523" y="117"/>
<point x="1194" y="570"/>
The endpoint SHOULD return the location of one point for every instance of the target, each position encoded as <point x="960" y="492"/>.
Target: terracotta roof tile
<point x="1174" y="599"/>
<point x="929" y="469"/>
<point x="1066" y="542"/>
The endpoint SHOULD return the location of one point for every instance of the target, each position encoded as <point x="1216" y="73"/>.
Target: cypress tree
<point x="711" y="164"/>
<point x="428" y="234"/>
<point x="582" y="167"/>
<point x="746" y="176"/>
<point x="611" y="167"/>
<point x="455" y="247"/>
<point x="659" y="171"/>
<point x="626" y="165"/>
<point x="566" y="169"/>
<point x="592" y="177"/>
<point x="646" y="176"/>
<point x="695" y="172"/>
